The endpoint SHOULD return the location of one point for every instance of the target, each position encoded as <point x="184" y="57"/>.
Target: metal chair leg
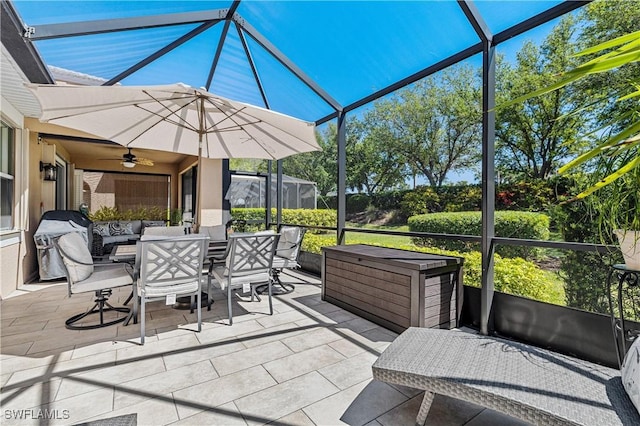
<point x="142" y="315"/>
<point x="229" y="304"/>
<point x="100" y="306"/>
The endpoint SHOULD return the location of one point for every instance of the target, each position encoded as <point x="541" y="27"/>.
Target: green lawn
<point x="358" y="238"/>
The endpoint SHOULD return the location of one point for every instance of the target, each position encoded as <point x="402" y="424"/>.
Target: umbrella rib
<point x="242" y="129"/>
<point x="259" y="143"/>
<point x="258" y="120"/>
<point x="186" y="124"/>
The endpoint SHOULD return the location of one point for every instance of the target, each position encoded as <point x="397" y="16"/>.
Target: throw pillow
<point x="102" y="229"/>
<point x="78" y="259"/>
<point x="631" y="373"/>
<point x="127" y="228"/>
<point x="116" y="229"/>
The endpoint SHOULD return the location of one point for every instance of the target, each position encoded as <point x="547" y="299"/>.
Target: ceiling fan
<point x="129" y="160"/>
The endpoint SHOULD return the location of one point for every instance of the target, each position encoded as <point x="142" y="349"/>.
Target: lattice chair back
<point x="248" y="264"/>
<point x="170" y="266"/>
<point x="251" y="254"/>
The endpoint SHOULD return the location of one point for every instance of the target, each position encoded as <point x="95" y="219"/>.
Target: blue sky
<point x="350" y="49"/>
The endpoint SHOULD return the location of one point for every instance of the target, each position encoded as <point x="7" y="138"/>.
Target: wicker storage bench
<point x="522" y="381"/>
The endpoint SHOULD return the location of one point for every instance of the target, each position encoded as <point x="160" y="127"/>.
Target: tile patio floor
<point x="308" y="364"/>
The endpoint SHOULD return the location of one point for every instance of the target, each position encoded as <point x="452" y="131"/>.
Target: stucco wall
<point x="10" y="267"/>
<point x="211" y="195"/>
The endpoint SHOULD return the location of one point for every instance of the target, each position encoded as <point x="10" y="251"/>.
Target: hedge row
<point x="514" y="276"/>
<point x="532" y="195"/>
<point x="307" y="217"/>
<point x="522" y="225"/>
<point x="141" y="213"/>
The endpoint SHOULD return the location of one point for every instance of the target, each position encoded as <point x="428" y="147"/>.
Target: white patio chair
<point x="248" y="263"/>
<point x="168" y="267"/>
<point x="83" y="276"/>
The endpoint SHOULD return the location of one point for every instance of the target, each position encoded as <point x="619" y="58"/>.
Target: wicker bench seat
<point x="522" y="381"/>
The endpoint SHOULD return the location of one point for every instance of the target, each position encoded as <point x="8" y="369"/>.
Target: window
<point x="138" y="193"/>
<point x="189" y="182"/>
<point x="6" y="177"/>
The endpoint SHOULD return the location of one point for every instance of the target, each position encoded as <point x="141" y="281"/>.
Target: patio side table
<point x="623" y="281"/>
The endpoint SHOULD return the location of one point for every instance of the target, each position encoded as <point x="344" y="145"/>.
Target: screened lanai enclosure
<point x="345" y="65"/>
<point x="247" y="191"/>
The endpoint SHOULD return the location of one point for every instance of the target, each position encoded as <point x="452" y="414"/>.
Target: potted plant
<point x="614" y="164"/>
<point x="618" y="212"/>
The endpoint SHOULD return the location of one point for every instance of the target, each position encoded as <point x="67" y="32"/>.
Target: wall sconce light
<point x="50" y="171"/>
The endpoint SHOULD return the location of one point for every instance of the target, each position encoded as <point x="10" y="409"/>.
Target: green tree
<point x="372" y="167"/>
<point x="532" y="137"/>
<point x="433" y="125"/>
<point x="315" y="166"/>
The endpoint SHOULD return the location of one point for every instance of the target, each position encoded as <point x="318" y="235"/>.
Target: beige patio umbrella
<point x="176" y="118"/>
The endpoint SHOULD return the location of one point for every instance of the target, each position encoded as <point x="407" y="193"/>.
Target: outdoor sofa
<point x="106" y="234"/>
<point x="522" y="381"/>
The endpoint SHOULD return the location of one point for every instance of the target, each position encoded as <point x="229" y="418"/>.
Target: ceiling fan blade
<point x="144" y="161"/>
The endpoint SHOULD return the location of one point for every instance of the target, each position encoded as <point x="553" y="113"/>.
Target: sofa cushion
<point x="148" y="223"/>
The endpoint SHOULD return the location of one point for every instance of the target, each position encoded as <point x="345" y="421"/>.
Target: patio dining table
<point x="127" y="253"/>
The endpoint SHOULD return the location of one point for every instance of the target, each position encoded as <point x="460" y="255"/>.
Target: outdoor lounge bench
<point x="522" y="381"/>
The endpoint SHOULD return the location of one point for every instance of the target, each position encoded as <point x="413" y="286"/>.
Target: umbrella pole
<point x="196" y="225"/>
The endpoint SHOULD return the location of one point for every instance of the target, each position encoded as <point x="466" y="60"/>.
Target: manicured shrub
<point x="304" y="217"/>
<point x="421" y="200"/>
<point x="389" y="200"/>
<point x="313" y="243"/>
<point x="141" y="213"/>
<point x="524" y="225"/>
<point x="357" y="203"/>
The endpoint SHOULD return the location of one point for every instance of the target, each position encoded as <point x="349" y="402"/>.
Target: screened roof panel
<point x="502" y="14"/>
<point x="286" y="93"/>
<point x="352" y="49"/>
<point x="188" y="63"/>
<point x="40" y="12"/>
<point x="107" y="55"/>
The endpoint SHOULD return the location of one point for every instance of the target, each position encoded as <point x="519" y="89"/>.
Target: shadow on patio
<point x="309" y="363"/>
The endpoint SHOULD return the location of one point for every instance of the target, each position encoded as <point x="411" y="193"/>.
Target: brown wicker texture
<point x="522" y="381"/>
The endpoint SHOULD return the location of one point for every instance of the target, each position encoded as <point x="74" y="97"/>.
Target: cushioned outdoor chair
<point x="286" y="257"/>
<point x="248" y="262"/>
<point x="83" y="276"/>
<point x="168" y="267"/>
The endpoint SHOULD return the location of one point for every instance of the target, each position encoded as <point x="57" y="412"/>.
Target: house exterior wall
<point x="211" y="196"/>
<point x="13" y="251"/>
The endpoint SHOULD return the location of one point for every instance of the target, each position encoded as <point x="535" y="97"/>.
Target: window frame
<point x="7" y="174"/>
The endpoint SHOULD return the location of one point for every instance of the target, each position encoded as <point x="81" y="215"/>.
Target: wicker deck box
<point x="393" y="288"/>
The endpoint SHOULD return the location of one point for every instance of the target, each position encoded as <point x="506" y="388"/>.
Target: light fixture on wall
<point x="50" y="171"/>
